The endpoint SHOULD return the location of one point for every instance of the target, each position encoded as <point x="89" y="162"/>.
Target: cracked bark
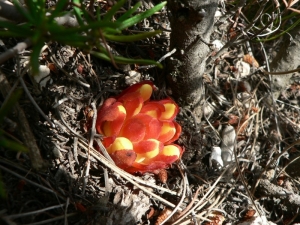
<point x="192" y="24"/>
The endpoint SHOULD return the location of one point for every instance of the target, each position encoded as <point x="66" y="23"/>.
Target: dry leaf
<point x="52" y="67"/>
<point x="233" y="119"/>
<point x="163" y="176"/>
<point x="251" y="60"/>
<point x="150" y="213"/>
<point x="216" y="219"/>
<point x="164" y="214"/>
<point x="243" y="124"/>
<point x="249" y="214"/>
<point x="80" y="207"/>
<point x="232" y="33"/>
<point x="80" y="68"/>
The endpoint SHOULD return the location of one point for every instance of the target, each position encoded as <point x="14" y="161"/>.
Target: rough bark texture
<point x="287" y="58"/>
<point x="191" y="23"/>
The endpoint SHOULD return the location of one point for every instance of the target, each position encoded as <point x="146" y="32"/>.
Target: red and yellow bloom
<point x="138" y="133"/>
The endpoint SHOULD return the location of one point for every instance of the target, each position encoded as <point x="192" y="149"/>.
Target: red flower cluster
<point x="138" y="132"/>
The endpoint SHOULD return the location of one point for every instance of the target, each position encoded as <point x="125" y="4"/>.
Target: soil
<point x="65" y="182"/>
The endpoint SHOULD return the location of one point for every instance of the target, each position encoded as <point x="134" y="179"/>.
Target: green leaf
<point x="8" y="105"/>
<point x="12" y="145"/>
<point x="36" y="9"/>
<point x="57" y="29"/>
<point x="280" y="34"/>
<point x="34" y="58"/>
<point x="23" y="11"/>
<point x="131" y="38"/>
<point x="110" y="30"/>
<point x="109" y="15"/>
<point x="123" y="60"/>
<point x="14" y="28"/>
<point x="129" y="12"/>
<point x="12" y="34"/>
<point x="78" y="12"/>
<point x="58" y="9"/>
<point x="137" y="18"/>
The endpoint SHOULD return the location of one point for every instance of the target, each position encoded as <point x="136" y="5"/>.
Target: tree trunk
<point x="192" y="23"/>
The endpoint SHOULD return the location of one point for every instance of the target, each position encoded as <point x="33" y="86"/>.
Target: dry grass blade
<point x="182" y="197"/>
<point x="134" y="180"/>
<point x="271" y="163"/>
<point x="204" y="198"/>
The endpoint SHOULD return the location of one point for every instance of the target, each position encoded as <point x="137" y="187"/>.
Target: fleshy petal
<point x="153" y="109"/>
<point x="168" y="131"/>
<point x="132" y="102"/>
<point x="169" y="154"/>
<point x="154" y="167"/>
<point x="153" y="126"/>
<point x="120" y="143"/>
<point x="107" y="141"/>
<point x="171" y="110"/>
<point x="147" y="149"/>
<point x="112" y="128"/>
<point x="171" y="150"/>
<point x="123" y="158"/>
<point x="177" y="133"/>
<point x="144" y="89"/>
<point x="134" y="129"/>
<point x="121" y="151"/>
<point x="114" y="114"/>
<point x="147" y="146"/>
<point x="141" y="127"/>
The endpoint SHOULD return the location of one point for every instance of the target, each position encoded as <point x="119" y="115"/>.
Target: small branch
<point x="269" y="189"/>
<point x="15" y="50"/>
<point x="10" y="12"/>
<point x="24" y="128"/>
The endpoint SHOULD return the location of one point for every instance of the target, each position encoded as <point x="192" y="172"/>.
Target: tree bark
<point x="191" y="23"/>
<point x="287" y="58"/>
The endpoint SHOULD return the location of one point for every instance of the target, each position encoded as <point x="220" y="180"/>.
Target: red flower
<point x="139" y="132"/>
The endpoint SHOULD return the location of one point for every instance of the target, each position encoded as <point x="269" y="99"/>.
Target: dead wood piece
<point x="128" y="207"/>
<point x="10" y="12"/>
<point x="291" y="199"/>
<point x="24" y="128"/>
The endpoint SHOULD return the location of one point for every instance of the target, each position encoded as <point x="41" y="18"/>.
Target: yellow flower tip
<point x="139" y="158"/>
<point x="171" y="150"/>
<point x="149" y="155"/>
<point x="147" y="150"/>
<point x="168" y="131"/>
<point x="171" y="109"/>
<point x="120" y="143"/>
<point x="121" y="109"/>
<point x="152" y="113"/>
<point x="138" y="109"/>
<point x="146" y="91"/>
